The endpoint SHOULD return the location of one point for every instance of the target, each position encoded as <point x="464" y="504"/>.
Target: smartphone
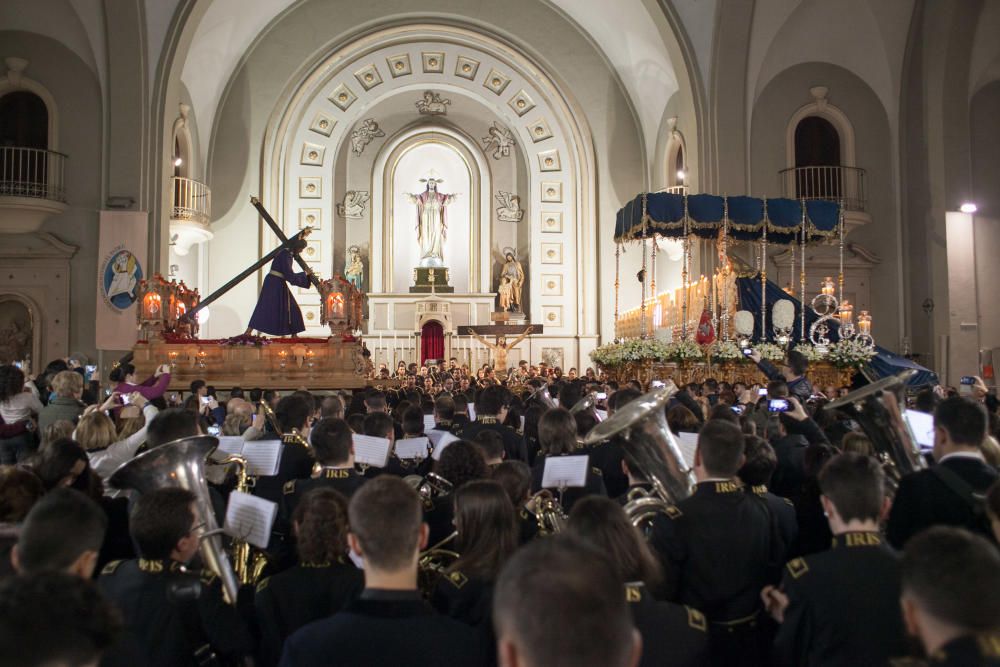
<point x="214" y="430"/>
<point x="747" y="351"/>
<point x="739" y="409"/>
<point x="107" y="392"/>
<point x="602" y="396"/>
<point x="762" y="391"/>
<point x="126" y="399"/>
<point x="656" y="384"/>
<point x="19" y="365"/>
<point x="90" y="369"/>
<point x="777" y="405"/>
<point x="205" y="400"/>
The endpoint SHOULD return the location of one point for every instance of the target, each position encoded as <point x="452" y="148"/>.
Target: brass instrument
<point x="181" y="463"/>
<point x="433" y="486"/>
<point x="543" y="396"/>
<point x="433" y="562"/>
<point x="273" y="420"/>
<point x="588" y="405"/>
<point x="248" y="563"/>
<point x="651" y="450"/>
<point x="548" y="512"/>
<point x="876" y="408"/>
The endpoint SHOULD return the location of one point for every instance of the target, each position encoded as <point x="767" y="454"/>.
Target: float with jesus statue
<point x="168" y="329"/>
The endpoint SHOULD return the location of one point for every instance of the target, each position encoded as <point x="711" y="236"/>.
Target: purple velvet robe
<point x="277" y="313"/>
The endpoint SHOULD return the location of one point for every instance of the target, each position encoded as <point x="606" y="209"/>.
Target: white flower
<point x="770" y="351"/>
<point x="685" y="350"/>
<point x="847" y="353"/>
<point x="783" y="314"/>
<point x="743" y="321"/>
<point x="810" y="352"/>
<point x="727" y="350"/>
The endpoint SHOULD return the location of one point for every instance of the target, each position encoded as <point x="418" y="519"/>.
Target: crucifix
<point x="501" y="346"/>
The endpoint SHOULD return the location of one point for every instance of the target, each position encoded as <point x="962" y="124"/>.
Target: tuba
<point x="181" y="463"/>
<point x="652" y="450"/>
<point x="587" y="404"/>
<point x="876" y="408"/>
<point x="543" y="396"/>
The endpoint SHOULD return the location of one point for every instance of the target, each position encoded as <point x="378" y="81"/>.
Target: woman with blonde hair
<point x="97" y="434"/>
<point x="68" y="388"/>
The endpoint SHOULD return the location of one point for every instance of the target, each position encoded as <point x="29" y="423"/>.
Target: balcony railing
<point x="32" y="172"/>
<point x="192" y="201"/>
<point x="845" y="185"/>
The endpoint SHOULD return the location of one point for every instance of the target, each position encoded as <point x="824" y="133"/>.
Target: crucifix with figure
<point x="501" y="347"/>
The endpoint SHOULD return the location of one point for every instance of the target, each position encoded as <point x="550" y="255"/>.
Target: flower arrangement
<point x="849" y="353"/>
<point x="811" y="352"/>
<point x="770" y="351"/>
<point x="244" y="340"/>
<point x="743" y="323"/>
<point x="783" y="314"/>
<point x="684" y="350"/>
<point x="619" y="354"/>
<point x="726" y="350"/>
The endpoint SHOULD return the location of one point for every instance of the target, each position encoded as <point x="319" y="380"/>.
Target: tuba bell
<point x="650" y="449"/>
<point x="543" y="396"/>
<point x="181" y="464"/>
<point x="876" y="408"/>
<point x="588" y="405"/>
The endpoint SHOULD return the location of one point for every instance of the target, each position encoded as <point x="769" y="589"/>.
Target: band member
<point x="277" y="312"/>
<point x="333" y="450"/>
<point x="557" y="435"/>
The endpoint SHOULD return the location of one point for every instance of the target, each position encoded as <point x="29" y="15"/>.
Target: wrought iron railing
<point x="32" y="172"/>
<point x="840" y="184"/>
<point x="192" y="201"/>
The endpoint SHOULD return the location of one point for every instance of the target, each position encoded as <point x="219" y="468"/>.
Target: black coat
<point x="594" y="485"/>
<point x="672" y="634"/>
<point x="969" y="651"/>
<point x="513" y="444"/>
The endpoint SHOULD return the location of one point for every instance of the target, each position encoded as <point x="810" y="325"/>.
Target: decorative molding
<point x="549" y="160"/>
<point x="364" y="135"/>
<point x="399" y="65"/>
<point x="433" y="62"/>
<point x="552" y="253"/>
<point x="510" y="207"/>
<point x="539" y="130"/>
<point x="368" y="77"/>
<point x="496" y="81"/>
<point x="354" y="203"/>
<point x="500" y="140"/>
<point x="521" y="103"/>
<point x="552" y="222"/>
<point x="311" y="217"/>
<point x="310" y="187"/>
<point x="314" y="251"/>
<point x="343" y="97"/>
<point x="312" y="155"/>
<point x="552" y="316"/>
<point x="466" y="67"/>
<point x="322" y="124"/>
<point x="432" y="104"/>
<point x="552" y="192"/>
<point x="552" y="284"/>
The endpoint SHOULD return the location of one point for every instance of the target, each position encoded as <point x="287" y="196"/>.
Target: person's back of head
<point x="332" y="407"/>
<point x="797" y="362"/>
<point x="491" y="444"/>
<point x="320" y="525"/>
<point x="962" y="421"/>
<point x="680" y="419"/>
<point x="95" y="430"/>
<point x="487" y="529"/>
<point x="59" y="462"/>
<point x="555" y="606"/>
<point x="490" y="401"/>
<point x="357" y="423"/>
<point x="375" y="402"/>
<point x="760" y="463"/>
<point x="413" y="421"/>
<point x="515" y="478"/>
<point x="777" y="389"/>
<point x="461" y="462"/>
<point x="60" y="428"/>
<point x="926" y="401"/>
<point x="293" y="412"/>
<point x="63" y="532"/>
<point x="236" y="392"/>
<point x="621" y="398"/>
<point x="20" y="489"/>
<point x="170" y="425"/>
<point x="67" y="384"/>
<point x="159" y="520"/>
<point x="950" y="585"/>
<point x="857" y="443"/>
<point x="855" y="485"/>
<point x="386" y="521"/>
<point x="723" y="412"/>
<point x="379" y="425"/>
<point x="255" y="395"/>
<point x="557" y="432"/>
<point x="444" y="408"/>
<point x="720" y="449"/>
<point x="331" y="441"/>
<point x="51" y="619"/>
<point x="197" y="386"/>
<point x="602" y="523"/>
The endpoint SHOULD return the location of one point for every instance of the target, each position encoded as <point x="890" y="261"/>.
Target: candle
<point x="826" y="287"/>
<point x="846" y="312"/>
<point x="865" y="323"/>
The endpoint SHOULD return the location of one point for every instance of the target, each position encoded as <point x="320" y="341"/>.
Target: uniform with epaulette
<point x="782" y="511"/>
<point x="345" y="480"/>
<point x="969" y="651"/>
<point x="594" y="484"/>
<point x="843" y="605"/>
<point x="298" y="596"/>
<point x="172" y="616"/>
<point x="672" y="634"/>
<point x="608" y="457"/>
<point x="718" y="549"/>
<point x="513" y="444"/>
<point x="464" y="598"/>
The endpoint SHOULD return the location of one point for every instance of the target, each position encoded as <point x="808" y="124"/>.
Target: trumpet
<point x="548" y="512"/>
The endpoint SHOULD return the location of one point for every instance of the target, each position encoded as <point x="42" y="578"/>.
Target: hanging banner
<point x="121" y="264"/>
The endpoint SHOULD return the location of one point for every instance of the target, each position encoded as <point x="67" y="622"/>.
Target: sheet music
<point x="472" y="412"/>
<point x="445" y="440"/>
<point x="429" y="423"/>
<point x="602" y="414"/>
<point x="688" y="442"/>
<point x="371" y="450"/>
<point x="412" y="448"/>
<point x="263" y="457"/>
<point x="921" y="427"/>
<point x="250" y="518"/>
<point x="230" y="445"/>
<point x="565" y="471"/>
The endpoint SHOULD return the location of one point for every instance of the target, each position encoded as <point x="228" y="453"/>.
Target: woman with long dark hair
<point x="18" y="403"/>
<point x="557" y="437"/>
<point x="124" y="381"/>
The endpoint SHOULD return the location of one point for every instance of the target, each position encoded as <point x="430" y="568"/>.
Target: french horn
<point x="548" y="512"/>
<point x="181" y="464"/>
<point x="432" y="564"/>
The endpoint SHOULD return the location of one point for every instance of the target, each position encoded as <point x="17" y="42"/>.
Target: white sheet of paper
<point x="522" y="423"/>
<point x="356" y="559"/>
<point x="688" y="442"/>
<point x="602" y="414"/>
<point x="263" y="457"/>
<point x="230" y="444"/>
<point x="921" y="427"/>
<point x="568" y="471"/>
<point x="472" y="412"/>
<point x="445" y="440"/>
<point x="434" y="435"/>
<point x="371" y="450"/>
<point x="250" y="518"/>
<point x="412" y="448"/>
<point x="428" y="422"/>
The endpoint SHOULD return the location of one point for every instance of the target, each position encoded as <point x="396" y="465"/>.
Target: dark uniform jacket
<point x="296" y="463"/>
<point x="607" y="457"/>
<point x="923" y="500"/>
<point x="672" y="634"/>
<point x="384" y="629"/>
<point x="513" y="444"/>
<point x="843" y="605"/>
<point x="783" y="512"/>
<point x="301" y="595"/>
<point x="594" y="484"/>
<point x="969" y="651"/>
<point x="170" y="614"/>
<point x="438" y="514"/>
<point x="345" y="480"/>
<point x="464" y="598"/>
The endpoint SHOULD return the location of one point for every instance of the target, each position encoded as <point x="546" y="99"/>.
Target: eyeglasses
<point x="197" y="528"/>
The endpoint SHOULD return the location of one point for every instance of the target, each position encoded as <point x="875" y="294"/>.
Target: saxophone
<point x="248" y="563"/>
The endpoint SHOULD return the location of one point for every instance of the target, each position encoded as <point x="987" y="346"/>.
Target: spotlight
<point x="681" y="174"/>
<point x="178" y="161"/>
<point x="968" y="207"/>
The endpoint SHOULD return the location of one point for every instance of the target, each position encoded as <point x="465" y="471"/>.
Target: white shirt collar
<point x="963" y="455"/>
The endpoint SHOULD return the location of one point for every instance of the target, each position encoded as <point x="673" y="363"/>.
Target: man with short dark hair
<point x="491" y="411"/>
<point x="555" y="604"/>
<point x="949" y="492"/>
<point x="756" y="475"/>
<point x="375" y="402"/>
<point x="63" y="532"/>
<point x="333" y="448"/>
<point x="199" y="388"/>
<point x="293" y="415"/>
<point x="951" y="596"/>
<point x="718" y="549"/>
<point x="444" y="414"/>
<point x="332" y="407"/>
<point x="792" y="371"/>
<point x="491" y="445"/>
<point x="840" y="607"/>
<point x="173" y="616"/>
<point x="171" y="424"/>
<point x="390" y="623"/>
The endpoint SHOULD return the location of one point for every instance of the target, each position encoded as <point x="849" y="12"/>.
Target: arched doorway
<point x="817" y="147"/>
<point x="431" y="341"/>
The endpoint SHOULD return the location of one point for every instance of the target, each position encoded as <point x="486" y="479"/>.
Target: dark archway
<point x="431" y="341"/>
<point x="817" y="145"/>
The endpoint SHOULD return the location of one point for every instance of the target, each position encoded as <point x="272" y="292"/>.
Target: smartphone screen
<point x="777" y="405"/>
<point x="656" y="384"/>
<point x="19" y="364"/>
<point x="762" y="391"/>
<point x="205" y="400"/>
<point x="126" y="399"/>
<point x="214" y="430"/>
<point x="90" y="369"/>
<point x="747" y="351"/>
<point x="602" y="396"/>
<point x="738" y="409"/>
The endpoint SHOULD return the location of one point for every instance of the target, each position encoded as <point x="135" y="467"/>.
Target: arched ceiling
<point x="625" y="32"/>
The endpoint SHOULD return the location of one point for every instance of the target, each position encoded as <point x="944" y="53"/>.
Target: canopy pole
<point x="802" y="278"/>
<point x="618" y="251"/>
<point x="642" y="281"/>
<point x="840" y="275"/>
<point x="685" y="272"/>
<point x="763" y="277"/>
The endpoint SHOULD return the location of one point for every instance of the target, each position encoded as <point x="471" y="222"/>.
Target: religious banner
<point x="121" y="264"/>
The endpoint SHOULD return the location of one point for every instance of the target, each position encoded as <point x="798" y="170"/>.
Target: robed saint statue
<point x="432" y="221"/>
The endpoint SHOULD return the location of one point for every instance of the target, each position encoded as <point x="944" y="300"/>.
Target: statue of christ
<point x="432" y="221"/>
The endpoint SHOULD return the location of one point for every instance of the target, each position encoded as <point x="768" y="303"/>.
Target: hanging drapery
<point x="431" y="341"/>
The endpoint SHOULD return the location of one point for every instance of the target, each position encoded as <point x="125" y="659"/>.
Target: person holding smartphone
<point x="792" y="372"/>
<point x="124" y="381"/>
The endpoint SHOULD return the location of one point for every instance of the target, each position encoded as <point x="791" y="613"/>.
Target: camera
<point x="777" y="405"/>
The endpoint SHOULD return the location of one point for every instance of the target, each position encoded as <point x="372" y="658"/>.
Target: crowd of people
<point x="799" y="543"/>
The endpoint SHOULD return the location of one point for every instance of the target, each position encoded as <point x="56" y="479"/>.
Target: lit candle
<point x="865" y="323"/>
<point x="827" y="286"/>
<point x="846" y="312"/>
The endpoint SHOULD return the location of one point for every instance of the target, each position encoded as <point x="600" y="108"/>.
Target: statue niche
<point x="16" y="331"/>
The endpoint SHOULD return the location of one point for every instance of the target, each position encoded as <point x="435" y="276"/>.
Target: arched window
<point x="24" y="120"/>
<point x="817" y="149"/>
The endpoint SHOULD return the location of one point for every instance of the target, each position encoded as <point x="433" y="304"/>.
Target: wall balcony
<point x="32" y="188"/>
<point x="844" y="185"/>
<point x="190" y="214"/>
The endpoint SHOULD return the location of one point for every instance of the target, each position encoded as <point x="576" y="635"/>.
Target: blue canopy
<point x="746" y="218"/>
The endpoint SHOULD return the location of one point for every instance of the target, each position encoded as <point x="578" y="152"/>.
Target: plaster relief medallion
<point x="432" y="104"/>
<point x="399" y="65"/>
<point x="496" y="81"/>
<point x="510" y="207"/>
<point x="312" y="155"/>
<point x="466" y="68"/>
<point x="433" y="62"/>
<point x="342" y="97"/>
<point x="549" y="160"/>
<point x="552" y="253"/>
<point x="310" y="217"/>
<point x="313" y="252"/>
<point x="500" y="140"/>
<point x="552" y="222"/>
<point x="368" y="77"/>
<point x="539" y="130"/>
<point x="551" y="191"/>
<point x="521" y="103"/>
<point x="367" y="131"/>
<point x="552" y="284"/>
<point x="354" y="204"/>
<point x="322" y="124"/>
<point x="552" y="315"/>
<point x="310" y="187"/>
